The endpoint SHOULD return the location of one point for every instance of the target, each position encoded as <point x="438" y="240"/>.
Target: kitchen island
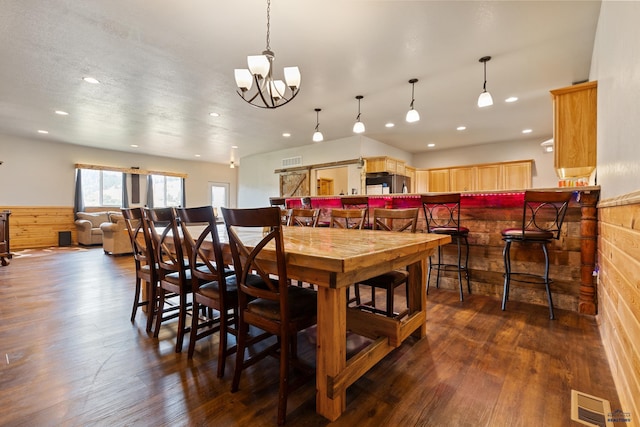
<point x="571" y="258"/>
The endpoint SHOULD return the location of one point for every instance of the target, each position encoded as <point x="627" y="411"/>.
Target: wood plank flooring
<point x="71" y="357"/>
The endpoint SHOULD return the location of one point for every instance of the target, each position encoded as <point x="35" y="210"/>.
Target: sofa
<point x="115" y="237"/>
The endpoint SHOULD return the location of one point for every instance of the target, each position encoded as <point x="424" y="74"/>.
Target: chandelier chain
<point x="268" y="24"/>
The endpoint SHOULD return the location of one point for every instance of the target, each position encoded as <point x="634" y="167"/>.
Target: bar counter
<point x="571" y="258"/>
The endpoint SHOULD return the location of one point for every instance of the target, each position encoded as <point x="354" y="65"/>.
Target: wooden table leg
<point x="331" y="351"/>
<point x="417" y="283"/>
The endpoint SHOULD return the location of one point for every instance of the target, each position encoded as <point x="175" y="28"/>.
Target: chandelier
<point x="268" y="93"/>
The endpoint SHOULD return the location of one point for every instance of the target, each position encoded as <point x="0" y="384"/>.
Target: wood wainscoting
<point x="38" y="226"/>
<point x="619" y="294"/>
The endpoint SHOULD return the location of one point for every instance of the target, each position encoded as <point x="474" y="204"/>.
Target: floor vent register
<point x="590" y="410"/>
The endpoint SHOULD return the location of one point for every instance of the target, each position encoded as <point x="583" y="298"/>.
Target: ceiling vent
<point x="590" y="410"/>
<point x="292" y="161"/>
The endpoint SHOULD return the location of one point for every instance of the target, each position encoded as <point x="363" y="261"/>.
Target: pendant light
<point x="412" y="115"/>
<point x="317" y="135"/>
<point x="358" y="126"/>
<point x="485" y="99"/>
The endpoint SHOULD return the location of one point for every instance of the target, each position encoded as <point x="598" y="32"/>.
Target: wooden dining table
<point x="334" y="259"/>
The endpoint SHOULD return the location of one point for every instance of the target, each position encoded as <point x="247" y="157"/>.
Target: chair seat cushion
<point x="386" y="280"/>
<point x="212" y="289"/>
<point x="450" y="230"/>
<point x="517" y="234"/>
<point x="204" y="269"/>
<point x="302" y="303"/>
<point x="175" y="278"/>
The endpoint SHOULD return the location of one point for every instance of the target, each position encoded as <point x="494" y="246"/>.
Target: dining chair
<point x="357" y="202"/>
<point x="174" y="275"/>
<point x="542" y="219"/>
<point x="348" y="218"/>
<point x="303" y="217"/>
<point x="442" y="216"/>
<point x="397" y="220"/>
<point x="213" y="285"/>
<point x="144" y="261"/>
<point x="275" y="307"/>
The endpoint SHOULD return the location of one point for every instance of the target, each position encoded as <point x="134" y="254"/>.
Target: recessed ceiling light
<point x="43" y="131"/>
<point x="214" y="114"/>
<point x="134" y="145"/>
<point x="61" y="113"/>
<point x="461" y="128"/>
<point x="91" y="80"/>
<point x="511" y="99"/>
<point x="286" y="134"/>
<point x="527" y="131"/>
<point x="197" y="155"/>
<point x="234" y="146"/>
<point x="389" y="125"/>
<point x="431" y="145"/>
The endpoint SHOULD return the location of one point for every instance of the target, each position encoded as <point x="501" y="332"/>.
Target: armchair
<point x="88" y="227"/>
<point x="115" y="238"/>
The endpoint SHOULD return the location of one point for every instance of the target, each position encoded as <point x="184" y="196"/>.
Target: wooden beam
<point x="131" y="170"/>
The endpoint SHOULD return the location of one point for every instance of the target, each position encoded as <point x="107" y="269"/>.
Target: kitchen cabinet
<point x="421" y="181"/>
<point x="516" y="176"/>
<point x="438" y="180"/>
<point x="489" y="177"/>
<point x="411" y="173"/>
<point x="483" y="177"/>
<point x="574" y="129"/>
<point x="462" y="179"/>
<point x="385" y="164"/>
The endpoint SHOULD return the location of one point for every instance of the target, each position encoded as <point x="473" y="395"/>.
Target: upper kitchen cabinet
<point x="574" y="129"/>
<point x="385" y="164"/>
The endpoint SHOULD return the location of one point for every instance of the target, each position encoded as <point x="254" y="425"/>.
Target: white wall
<point x="42" y="173"/>
<point x="616" y="66"/>
<point x="543" y="172"/>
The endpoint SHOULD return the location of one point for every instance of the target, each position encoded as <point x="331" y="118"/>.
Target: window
<point x="101" y="187"/>
<point x="167" y="191"/>
<point x="219" y="195"/>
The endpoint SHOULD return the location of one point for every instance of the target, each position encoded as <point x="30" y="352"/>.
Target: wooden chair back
<point x="303" y="217"/>
<point x="140" y="237"/>
<point x="357" y="202"/>
<point x="167" y="244"/>
<point x="245" y="251"/>
<point x="202" y="242"/>
<point x="395" y="219"/>
<point x="348" y="218"/>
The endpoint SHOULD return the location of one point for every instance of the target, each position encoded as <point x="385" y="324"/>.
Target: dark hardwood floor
<point x="74" y="359"/>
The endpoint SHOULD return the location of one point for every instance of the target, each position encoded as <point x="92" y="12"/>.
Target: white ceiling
<point x="164" y="65"/>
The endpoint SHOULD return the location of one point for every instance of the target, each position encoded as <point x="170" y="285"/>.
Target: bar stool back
<point x="542" y="218"/>
<point x="442" y="216"/>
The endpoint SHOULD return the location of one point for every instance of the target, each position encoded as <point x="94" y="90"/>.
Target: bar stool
<point x="542" y="218"/>
<point x="442" y="216"/>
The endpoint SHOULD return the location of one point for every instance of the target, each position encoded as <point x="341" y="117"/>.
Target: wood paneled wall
<point x="38" y="226"/>
<point x="619" y="294"/>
